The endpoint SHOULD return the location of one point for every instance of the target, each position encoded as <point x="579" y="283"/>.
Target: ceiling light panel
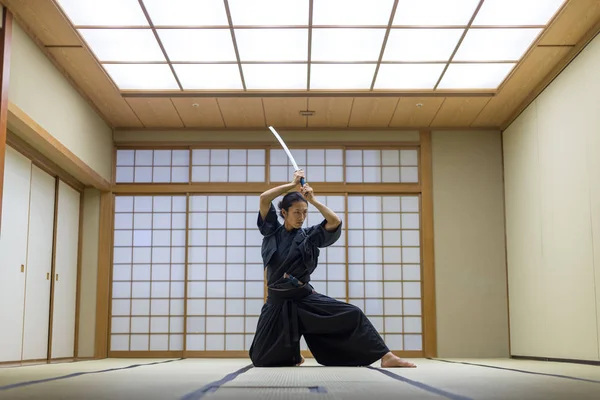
<point x="272" y="44"/>
<point x="434" y="12"/>
<point x="187" y="12"/>
<point x="204" y="45"/>
<point x="209" y="76"/>
<point x="475" y="76"/>
<point x="269" y="12"/>
<point x="125" y="45"/>
<point x="142" y="76"/>
<point x="421" y="44"/>
<point x="352" y="12"/>
<point x="346" y="44"/>
<point x="104" y="13"/>
<point x="275" y="76"/>
<point x="495" y="44"/>
<point x="341" y="76"/>
<point x="517" y="12"/>
<point x="408" y="76"/>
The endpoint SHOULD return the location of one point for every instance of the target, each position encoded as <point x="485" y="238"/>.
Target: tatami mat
<point x="193" y="379"/>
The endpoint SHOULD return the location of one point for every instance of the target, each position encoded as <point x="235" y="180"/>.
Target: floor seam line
<point x="517" y="370"/>
<point x="423" y="386"/>
<point x="215" y="385"/>
<point x="76" y="374"/>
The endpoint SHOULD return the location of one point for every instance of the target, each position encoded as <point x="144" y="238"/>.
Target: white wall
<point x="43" y="93"/>
<point x="552" y="173"/>
<point x="470" y="265"/>
<point x="89" y="272"/>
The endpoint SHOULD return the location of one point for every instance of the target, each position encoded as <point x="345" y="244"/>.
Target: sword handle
<point x="302" y="182"/>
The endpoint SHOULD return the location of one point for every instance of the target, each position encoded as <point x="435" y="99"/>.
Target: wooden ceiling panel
<point x="242" y="112"/>
<point x="459" y="111"/>
<point x="199" y="112"/>
<point x="523" y="81"/>
<point x="330" y="112"/>
<point x="408" y="114"/>
<point x="578" y="17"/>
<point x="284" y="112"/>
<point x="156" y="112"/>
<point x="372" y="111"/>
<point x="45" y="21"/>
<point x="80" y="65"/>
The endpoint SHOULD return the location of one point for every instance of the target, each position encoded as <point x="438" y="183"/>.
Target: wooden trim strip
<point x="300" y="93"/>
<point x="41" y="161"/>
<point x="146" y="354"/>
<point x="213" y="188"/>
<point x="31" y="132"/>
<point x="233" y="145"/>
<point x="5" y="52"/>
<point x="104" y="275"/>
<point x="427" y="249"/>
<point x="554" y="73"/>
<point x="79" y="267"/>
<point x="53" y="267"/>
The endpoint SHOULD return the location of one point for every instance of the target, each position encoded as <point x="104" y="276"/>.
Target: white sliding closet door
<point x="39" y="266"/>
<point x="65" y="273"/>
<point x="13" y="253"/>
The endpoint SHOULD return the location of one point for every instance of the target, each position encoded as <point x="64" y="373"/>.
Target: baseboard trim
<point x="561" y="360"/>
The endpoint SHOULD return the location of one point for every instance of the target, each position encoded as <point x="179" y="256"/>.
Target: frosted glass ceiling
<point x="300" y="45"/>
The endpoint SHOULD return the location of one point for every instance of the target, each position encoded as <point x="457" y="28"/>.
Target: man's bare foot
<point x="301" y="361"/>
<point x="390" y="360"/>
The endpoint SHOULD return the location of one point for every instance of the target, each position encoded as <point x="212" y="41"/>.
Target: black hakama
<point x="337" y="333"/>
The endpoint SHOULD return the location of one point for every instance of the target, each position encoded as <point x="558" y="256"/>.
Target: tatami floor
<point x="235" y="379"/>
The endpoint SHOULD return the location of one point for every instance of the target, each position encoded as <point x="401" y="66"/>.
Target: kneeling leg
<point x="270" y="347"/>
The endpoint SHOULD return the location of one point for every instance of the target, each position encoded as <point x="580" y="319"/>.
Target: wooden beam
<point x="5" y="47"/>
<point x="40" y="139"/>
<point x="217" y="187"/>
<point x="428" y="276"/>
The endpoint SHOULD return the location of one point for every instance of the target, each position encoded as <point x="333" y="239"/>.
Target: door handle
<point x="57" y="277"/>
<point x="22" y="268"/>
<point x="47" y="276"/>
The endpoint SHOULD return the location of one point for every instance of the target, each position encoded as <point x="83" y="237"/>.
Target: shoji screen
<point x="225" y="289"/>
<point x="188" y="270"/>
<point x="149" y="273"/>
<point x="384" y="266"/>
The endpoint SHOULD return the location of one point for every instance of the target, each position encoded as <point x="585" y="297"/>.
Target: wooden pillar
<point x="102" y="343"/>
<point x="428" y="278"/>
<point x="5" y="44"/>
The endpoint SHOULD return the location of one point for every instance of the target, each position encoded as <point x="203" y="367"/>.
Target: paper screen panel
<point x="319" y="165"/>
<point x="148" y="273"/>
<point x="382" y="166"/>
<point x="384" y="266"/>
<point x="152" y="166"/>
<point x="228" y="165"/>
<point x="225" y="281"/>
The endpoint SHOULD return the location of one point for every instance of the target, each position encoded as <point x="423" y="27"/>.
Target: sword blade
<point x="285" y="148"/>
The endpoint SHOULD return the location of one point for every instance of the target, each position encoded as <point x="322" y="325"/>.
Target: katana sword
<point x="287" y="151"/>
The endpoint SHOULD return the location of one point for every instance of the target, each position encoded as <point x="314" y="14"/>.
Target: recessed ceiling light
<point x="195" y="105"/>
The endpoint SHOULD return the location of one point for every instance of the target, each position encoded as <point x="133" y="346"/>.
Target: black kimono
<point x="337" y="333"/>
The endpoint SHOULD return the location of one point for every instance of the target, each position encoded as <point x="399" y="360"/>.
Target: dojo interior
<point x="458" y="140"/>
